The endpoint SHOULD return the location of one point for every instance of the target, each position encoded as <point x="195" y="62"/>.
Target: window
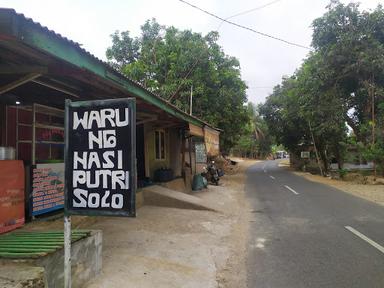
<point x="160" y="145"/>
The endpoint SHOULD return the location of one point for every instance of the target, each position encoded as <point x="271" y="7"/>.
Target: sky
<point x="263" y="61"/>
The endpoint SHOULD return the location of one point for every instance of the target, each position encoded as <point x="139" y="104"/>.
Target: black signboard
<point x="100" y="152"/>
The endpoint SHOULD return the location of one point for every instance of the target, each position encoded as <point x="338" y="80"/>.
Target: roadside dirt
<point x="234" y="273"/>
<point x="168" y="247"/>
<point x="355" y="184"/>
<point x="371" y="192"/>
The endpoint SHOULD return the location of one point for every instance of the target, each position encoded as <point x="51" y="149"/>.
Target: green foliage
<point x="350" y="44"/>
<point x="282" y="115"/>
<point x="341" y="81"/>
<point x="342" y="173"/>
<point x="375" y="151"/>
<point x="125" y="49"/>
<point x="255" y="142"/>
<point x="168" y="61"/>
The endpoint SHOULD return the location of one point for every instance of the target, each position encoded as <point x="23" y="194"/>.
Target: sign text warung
<point x="100" y="157"/>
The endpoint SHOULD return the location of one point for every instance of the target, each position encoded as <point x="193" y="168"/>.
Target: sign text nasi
<point x="100" y="154"/>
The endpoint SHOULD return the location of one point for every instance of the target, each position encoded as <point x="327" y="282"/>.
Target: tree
<point x="350" y="43"/>
<point x="126" y="49"/>
<point x="321" y="106"/>
<point x="340" y="82"/>
<point x="255" y="142"/>
<point x="168" y="62"/>
<point x="282" y="115"/>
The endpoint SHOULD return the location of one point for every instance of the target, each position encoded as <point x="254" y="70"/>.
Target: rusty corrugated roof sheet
<point x="106" y="64"/>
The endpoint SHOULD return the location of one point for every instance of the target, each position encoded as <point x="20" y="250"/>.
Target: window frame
<point x="160" y="146"/>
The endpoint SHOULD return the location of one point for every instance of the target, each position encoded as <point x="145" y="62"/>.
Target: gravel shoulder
<point x="371" y="192"/>
<point x="234" y="273"/>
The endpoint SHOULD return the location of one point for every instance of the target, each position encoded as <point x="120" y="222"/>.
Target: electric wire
<point x="246" y="28"/>
<point x="254" y="9"/>
<point x="260" y="87"/>
<point x="249" y="11"/>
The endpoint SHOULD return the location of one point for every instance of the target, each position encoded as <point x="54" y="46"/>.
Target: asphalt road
<point x="305" y="234"/>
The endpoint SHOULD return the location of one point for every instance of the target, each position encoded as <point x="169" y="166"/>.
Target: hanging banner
<point x="47" y="188"/>
<point x="196" y="130"/>
<point x="11" y="195"/>
<point x="100" y="156"/>
<point x="211" y="138"/>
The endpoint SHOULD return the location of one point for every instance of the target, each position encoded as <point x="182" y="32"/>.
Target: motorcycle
<point x="211" y="173"/>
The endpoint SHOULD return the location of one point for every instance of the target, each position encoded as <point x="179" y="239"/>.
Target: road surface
<point x="305" y="234"/>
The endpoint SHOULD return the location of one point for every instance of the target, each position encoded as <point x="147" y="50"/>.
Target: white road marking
<point x="365" y="238"/>
<point x="265" y="171"/>
<point x="290" y="189"/>
<point x="272" y="177"/>
<point x="259" y="243"/>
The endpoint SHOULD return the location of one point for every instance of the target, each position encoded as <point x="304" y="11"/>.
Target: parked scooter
<point x="211" y="173"/>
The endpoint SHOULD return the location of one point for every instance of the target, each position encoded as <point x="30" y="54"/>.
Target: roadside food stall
<point x="36" y="135"/>
<point x="39" y="70"/>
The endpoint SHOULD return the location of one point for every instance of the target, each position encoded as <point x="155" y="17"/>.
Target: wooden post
<point x="190" y="152"/>
<point x="33" y="134"/>
<point x="182" y="150"/>
<point x="17" y="134"/>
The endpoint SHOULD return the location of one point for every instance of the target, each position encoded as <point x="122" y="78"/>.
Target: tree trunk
<point x="324" y="159"/>
<point x="339" y="158"/>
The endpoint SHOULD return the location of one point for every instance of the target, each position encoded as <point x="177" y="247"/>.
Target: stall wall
<point x="2" y="125"/>
<point x="19" y="126"/>
<point x="175" y="143"/>
<point x="196" y="166"/>
<point x="152" y="164"/>
<point x="11" y="195"/>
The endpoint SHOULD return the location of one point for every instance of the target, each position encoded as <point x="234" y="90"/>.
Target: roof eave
<point x="22" y="29"/>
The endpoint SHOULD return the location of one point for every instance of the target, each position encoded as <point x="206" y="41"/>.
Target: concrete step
<point x="156" y="195"/>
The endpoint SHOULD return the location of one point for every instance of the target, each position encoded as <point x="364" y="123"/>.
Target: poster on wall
<point x="100" y="153"/>
<point x="201" y="154"/>
<point x="11" y="195"/>
<point x="47" y="188"/>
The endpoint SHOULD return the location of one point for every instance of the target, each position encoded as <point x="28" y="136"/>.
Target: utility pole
<point x="190" y="101"/>
<point x="372" y="92"/>
<point x="314" y="145"/>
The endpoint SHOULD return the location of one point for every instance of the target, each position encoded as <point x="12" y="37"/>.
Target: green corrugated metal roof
<point x="34" y="244"/>
<point x="39" y="37"/>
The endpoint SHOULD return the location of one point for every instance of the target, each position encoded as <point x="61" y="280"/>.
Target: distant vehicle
<point x="281" y="155"/>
